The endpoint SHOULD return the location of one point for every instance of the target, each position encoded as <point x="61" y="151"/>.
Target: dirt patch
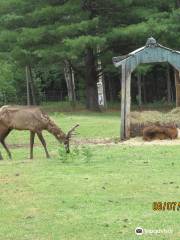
<point x="94" y="141"/>
<point x="137" y="141"/>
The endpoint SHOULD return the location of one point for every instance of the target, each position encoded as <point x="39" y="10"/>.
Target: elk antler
<point x="69" y="134"/>
<point x="68" y="137"/>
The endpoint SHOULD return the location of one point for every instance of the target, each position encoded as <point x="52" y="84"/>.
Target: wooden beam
<point x="125" y="102"/>
<point x="127" y="118"/>
<point x="177" y="84"/>
<point x="123" y="96"/>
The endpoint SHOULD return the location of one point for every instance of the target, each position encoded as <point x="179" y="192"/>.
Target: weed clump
<point x="81" y="154"/>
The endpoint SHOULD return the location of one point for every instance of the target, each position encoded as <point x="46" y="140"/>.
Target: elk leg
<point x="3" y="136"/>
<point x="1" y="157"/>
<point x="41" y="138"/>
<point x="6" y="148"/>
<point x="32" y="135"/>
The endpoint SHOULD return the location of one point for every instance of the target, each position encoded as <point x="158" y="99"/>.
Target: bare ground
<point x="137" y="141"/>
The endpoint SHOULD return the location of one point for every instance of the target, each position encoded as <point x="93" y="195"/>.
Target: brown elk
<point x="34" y="120"/>
<point x="158" y="132"/>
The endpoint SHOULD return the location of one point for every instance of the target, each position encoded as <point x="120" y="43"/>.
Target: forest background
<point x="60" y="49"/>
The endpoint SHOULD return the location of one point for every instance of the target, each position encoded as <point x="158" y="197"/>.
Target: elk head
<point x="68" y="138"/>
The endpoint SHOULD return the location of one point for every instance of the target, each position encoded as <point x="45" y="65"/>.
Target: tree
<point x="44" y="34"/>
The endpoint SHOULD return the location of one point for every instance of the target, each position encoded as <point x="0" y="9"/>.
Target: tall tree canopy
<point x="46" y="34"/>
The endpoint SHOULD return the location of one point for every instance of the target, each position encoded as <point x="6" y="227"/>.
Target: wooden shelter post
<point x="128" y="103"/>
<point x="177" y="84"/>
<point x="152" y="52"/>
<point x="125" y="102"/>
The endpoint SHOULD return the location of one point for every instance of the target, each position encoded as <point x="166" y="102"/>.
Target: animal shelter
<point x="152" y="52"/>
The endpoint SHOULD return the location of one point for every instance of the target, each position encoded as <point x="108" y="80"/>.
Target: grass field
<point x="106" y="197"/>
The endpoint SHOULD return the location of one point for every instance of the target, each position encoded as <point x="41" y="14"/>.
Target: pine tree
<point x="51" y="32"/>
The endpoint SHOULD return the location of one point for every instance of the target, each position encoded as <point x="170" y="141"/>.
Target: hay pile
<point x="139" y="120"/>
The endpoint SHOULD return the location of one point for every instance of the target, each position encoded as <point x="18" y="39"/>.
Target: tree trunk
<point x="177" y="3"/>
<point x="169" y="97"/>
<point x="139" y="89"/>
<point x="110" y="90"/>
<point x="91" y="81"/>
<point x="69" y="77"/>
<point x="31" y="97"/>
<point x="101" y="79"/>
<point x="144" y="89"/>
<point x="32" y="86"/>
<point x="28" y="87"/>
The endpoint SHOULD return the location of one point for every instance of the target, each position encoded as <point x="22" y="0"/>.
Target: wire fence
<point x="53" y="96"/>
<point x="45" y="96"/>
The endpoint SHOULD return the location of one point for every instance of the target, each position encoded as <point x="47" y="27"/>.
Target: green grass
<point x="62" y="106"/>
<point x="104" y="198"/>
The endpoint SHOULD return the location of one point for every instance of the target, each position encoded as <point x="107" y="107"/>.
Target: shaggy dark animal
<point x="155" y="132"/>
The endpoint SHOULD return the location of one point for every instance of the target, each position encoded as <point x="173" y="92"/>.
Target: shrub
<point x="76" y="153"/>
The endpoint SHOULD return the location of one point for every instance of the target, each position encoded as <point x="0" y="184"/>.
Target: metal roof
<point x="150" y="53"/>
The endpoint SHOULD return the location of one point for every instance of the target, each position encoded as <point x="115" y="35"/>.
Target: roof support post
<point x="128" y="103"/>
<point x="177" y="84"/>
<point x="152" y="52"/>
<point x="125" y="102"/>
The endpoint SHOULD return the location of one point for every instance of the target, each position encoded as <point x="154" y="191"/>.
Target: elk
<point x="158" y="132"/>
<point x="34" y="120"/>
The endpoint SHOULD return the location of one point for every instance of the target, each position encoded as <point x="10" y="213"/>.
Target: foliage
<point x="46" y="33"/>
<point x="76" y="154"/>
<point x="87" y="153"/>
<point x="7" y="85"/>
